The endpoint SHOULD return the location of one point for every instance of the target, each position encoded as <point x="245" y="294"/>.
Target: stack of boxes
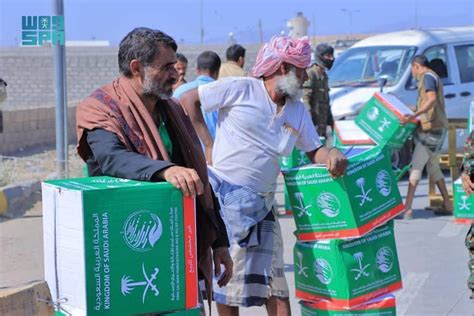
<point x="345" y="258"/>
<point x="346" y="252"/>
<point x="119" y="247"/>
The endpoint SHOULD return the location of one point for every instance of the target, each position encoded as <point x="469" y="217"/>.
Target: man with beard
<point x="132" y="129"/>
<point x="259" y="120"/>
<point x="316" y="96"/>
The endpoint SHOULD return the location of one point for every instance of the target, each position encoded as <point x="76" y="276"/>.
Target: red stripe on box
<point x="388" y="302"/>
<point x="350" y="303"/>
<point x="367" y="141"/>
<point x="354" y="232"/>
<point x="190" y="253"/>
<point x="464" y="221"/>
<point x="389" y="106"/>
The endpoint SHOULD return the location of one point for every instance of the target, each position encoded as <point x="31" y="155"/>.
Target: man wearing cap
<point x="260" y="119"/>
<point x="316" y="89"/>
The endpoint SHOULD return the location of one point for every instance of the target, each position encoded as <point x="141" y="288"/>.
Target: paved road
<point x="431" y="250"/>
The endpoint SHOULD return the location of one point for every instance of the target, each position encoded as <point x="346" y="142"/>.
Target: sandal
<point x="407" y="215"/>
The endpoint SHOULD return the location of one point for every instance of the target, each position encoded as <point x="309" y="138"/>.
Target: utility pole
<point x="61" y="98"/>
<point x="349" y="12"/>
<point x="314" y="28"/>
<point x="202" y="22"/>
<point x="416" y="14"/>
<point x="260" y="30"/>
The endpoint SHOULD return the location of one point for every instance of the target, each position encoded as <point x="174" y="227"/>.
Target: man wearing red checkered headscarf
<point x="260" y="119"/>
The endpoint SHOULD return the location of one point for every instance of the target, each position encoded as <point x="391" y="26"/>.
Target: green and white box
<point x="348" y="272"/>
<point x="119" y="247"/>
<point x="297" y="158"/>
<point x="381" y="306"/>
<point x="463" y="204"/>
<point x="347" y="133"/>
<point x="350" y="206"/>
<point x="380" y="119"/>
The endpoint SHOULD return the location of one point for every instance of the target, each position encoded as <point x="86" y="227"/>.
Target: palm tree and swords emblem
<point x="301" y="269"/>
<point x="302" y="209"/>
<point x="385" y="124"/>
<point x="364" y="196"/>
<point x="303" y="159"/>
<point x="361" y="270"/>
<point x="128" y="285"/>
<point x="464" y="206"/>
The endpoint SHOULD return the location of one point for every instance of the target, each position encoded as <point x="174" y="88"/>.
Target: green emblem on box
<point x="348" y="272"/>
<point x="119" y="247"/>
<point x="463" y="204"/>
<point x="297" y="158"/>
<point x="379" y="118"/>
<point x="350" y="206"/>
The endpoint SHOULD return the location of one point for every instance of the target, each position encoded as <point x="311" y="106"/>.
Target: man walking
<point x="260" y="119"/>
<point x="316" y="96"/>
<point x="430" y="135"/>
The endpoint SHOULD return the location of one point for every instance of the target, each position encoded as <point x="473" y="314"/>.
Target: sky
<point x="112" y="19"/>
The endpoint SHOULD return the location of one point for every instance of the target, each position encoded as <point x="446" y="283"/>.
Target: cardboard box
<point x="347" y="133"/>
<point x="297" y="158"/>
<point x="119" y="247"/>
<point x="380" y="119"/>
<point x="382" y="306"/>
<point x="463" y="204"/>
<point x="348" y="272"/>
<point x="350" y="206"/>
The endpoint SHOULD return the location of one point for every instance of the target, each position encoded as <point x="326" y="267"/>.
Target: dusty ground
<point x="38" y="165"/>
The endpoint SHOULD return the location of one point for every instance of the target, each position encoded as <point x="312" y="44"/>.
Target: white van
<point x="353" y="78"/>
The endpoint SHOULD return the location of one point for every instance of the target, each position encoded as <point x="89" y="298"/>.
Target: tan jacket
<point x="231" y="69"/>
<point x="435" y="118"/>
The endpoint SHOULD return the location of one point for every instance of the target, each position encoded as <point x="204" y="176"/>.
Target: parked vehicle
<point x="353" y="78"/>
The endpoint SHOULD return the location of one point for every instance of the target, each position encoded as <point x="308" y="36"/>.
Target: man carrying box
<point x="431" y="133"/>
<point x="132" y="129"/>
<point x="259" y="120"/>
